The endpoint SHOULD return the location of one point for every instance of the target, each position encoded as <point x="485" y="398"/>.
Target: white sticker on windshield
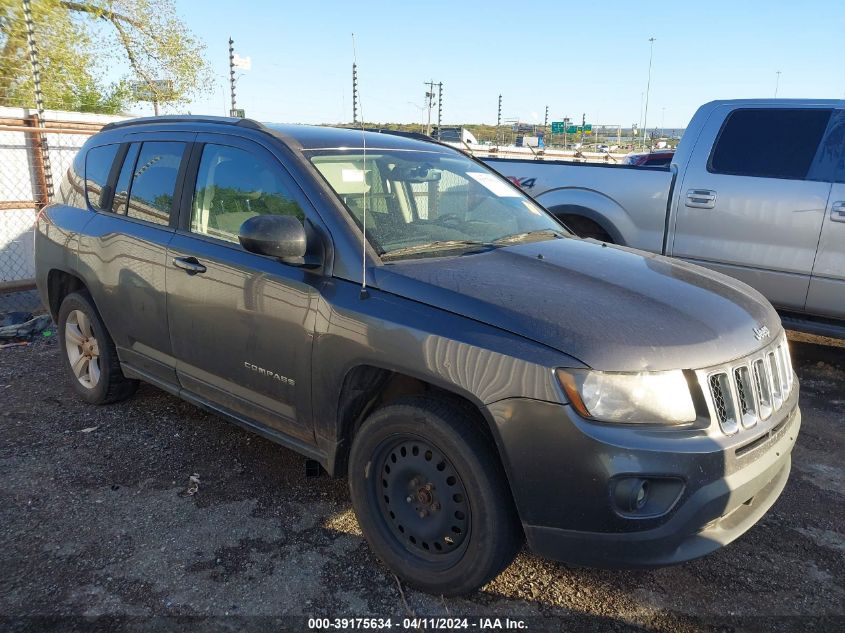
<point x="494" y="185"/>
<point x="352" y="175"/>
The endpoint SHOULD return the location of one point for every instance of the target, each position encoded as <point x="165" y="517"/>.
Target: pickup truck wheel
<point x="89" y="354"/>
<point x="431" y="497"/>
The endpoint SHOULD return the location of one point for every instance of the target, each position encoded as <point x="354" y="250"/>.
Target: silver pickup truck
<point x="755" y="190"/>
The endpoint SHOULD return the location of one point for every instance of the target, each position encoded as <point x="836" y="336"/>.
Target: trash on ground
<point x="193" y="484"/>
<point x="13" y="328"/>
<point x="89" y="429"/>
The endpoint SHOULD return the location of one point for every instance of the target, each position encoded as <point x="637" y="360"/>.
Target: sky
<point x="576" y="58"/>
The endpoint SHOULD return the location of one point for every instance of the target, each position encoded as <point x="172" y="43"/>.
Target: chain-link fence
<point x="36" y="145"/>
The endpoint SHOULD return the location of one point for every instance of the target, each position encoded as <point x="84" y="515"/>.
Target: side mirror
<point x="281" y="236"/>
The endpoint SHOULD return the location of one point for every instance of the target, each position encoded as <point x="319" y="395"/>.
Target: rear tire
<point x="431" y="496"/>
<point x="88" y="352"/>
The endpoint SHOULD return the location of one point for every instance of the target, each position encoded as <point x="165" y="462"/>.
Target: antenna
<point x="364" y="293"/>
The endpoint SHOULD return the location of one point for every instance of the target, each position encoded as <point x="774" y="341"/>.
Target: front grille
<point x="751" y="389"/>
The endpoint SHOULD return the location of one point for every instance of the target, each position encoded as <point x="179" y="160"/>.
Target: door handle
<point x="189" y="264"/>
<point x="837" y="211"/>
<point x="701" y="198"/>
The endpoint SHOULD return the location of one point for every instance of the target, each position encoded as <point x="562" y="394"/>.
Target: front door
<point x="753" y="207"/>
<point x="827" y="286"/>
<point x="241" y="324"/>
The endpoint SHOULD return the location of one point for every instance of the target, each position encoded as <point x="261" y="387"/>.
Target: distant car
<point x="650" y="159"/>
<point x="604" y="148"/>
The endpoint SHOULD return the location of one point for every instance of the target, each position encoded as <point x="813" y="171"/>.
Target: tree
<point x="145" y="36"/>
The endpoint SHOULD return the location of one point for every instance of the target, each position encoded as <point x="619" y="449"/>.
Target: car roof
<point x="303" y="137"/>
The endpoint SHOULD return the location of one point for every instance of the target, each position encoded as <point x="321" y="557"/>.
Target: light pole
<point x="777" y="82"/>
<point x="648" y="88"/>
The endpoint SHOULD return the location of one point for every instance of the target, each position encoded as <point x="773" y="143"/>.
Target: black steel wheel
<point x="431" y="497"/>
<point x="423" y="496"/>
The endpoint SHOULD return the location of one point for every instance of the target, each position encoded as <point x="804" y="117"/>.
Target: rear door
<point x="826" y="296"/>
<point x="753" y="207"/>
<point x="125" y="243"/>
<point x="242" y="324"/>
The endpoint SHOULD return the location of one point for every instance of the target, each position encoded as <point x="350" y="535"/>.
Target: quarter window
<point x="154" y="181"/>
<point x="98" y="164"/>
<point x="234" y="185"/>
<point x="769" y="143"/>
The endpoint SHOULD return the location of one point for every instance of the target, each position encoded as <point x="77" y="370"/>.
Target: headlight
<point x="644" y="397"/>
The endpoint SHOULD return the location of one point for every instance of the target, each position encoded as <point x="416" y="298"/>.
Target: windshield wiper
<point x="438" y="245"/>
<point x="519" y="237"/>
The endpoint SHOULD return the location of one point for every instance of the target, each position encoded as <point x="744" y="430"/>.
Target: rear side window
<point x="769" y="143"/>
<point x="98" y="164"/>
<point x="154" y="181"/>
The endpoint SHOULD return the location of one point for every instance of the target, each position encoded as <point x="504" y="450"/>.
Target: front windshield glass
<point x="421" y="203"/>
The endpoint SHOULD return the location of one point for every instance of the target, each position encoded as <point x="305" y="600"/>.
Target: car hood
<point x="612" y="308"/>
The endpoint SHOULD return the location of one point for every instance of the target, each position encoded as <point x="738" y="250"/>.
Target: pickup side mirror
<point x="281" y="236"/>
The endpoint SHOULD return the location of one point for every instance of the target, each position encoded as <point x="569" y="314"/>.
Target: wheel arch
<point x="596" y="207"/>
<point x="367" y="386"/>
<point x="61" y="283"/>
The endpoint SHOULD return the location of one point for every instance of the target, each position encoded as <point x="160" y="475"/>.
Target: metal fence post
<point x="40" y="139"/>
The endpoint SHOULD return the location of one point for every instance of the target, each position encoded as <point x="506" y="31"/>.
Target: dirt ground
<point x="98" y="531"/>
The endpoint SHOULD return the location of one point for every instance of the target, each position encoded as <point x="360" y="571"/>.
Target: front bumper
<point x="562" y="470"/>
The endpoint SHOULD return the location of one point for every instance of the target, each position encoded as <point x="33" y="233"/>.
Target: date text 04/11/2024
<point x="415" y="624"/>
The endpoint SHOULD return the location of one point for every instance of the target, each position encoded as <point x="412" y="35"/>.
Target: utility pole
<point x="583" y="125"/>
<point x="499" y="122"/>
<point x="429" y="96"/>
<point x="546" y="136"/>
<point x="777" y="82"/>
<point x="648" y="88"/>
<point x="354" y="92"/>
<point x="232" y="74"/>
<point x="439" y="108"/>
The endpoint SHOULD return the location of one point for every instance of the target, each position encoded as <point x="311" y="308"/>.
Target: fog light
<point x="631" y="494"/>
<point x="645" y="497"/>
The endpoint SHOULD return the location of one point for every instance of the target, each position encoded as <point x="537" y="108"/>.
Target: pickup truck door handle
<point x="837" y="211"/>
<point x="701" y="198"/>
<point x="189" y="264"/>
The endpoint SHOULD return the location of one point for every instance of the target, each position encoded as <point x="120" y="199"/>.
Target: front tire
<point x="89" y="355"/>
<point x="431" y="496"/>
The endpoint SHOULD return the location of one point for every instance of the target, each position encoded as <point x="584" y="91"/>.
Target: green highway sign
<point x="576" y="129"/>
<point x="557" y="127"/>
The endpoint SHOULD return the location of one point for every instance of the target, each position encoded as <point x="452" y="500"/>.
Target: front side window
<point x="769" y="143"/>
<point x="234" y="185"/>
<point x="98" y="164"/>
<point x="154" y="181"/>
<point x="419" y="203"/>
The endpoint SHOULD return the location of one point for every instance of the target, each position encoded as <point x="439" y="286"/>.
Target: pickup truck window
<point x="98" y="164"/>
<point x="752" y="142"/>
<point x="154" y="180"/>
<point x="419" y="198"/>
<point x="234" y="185"/>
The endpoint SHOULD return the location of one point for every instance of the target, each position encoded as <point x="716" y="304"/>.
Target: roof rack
<point x="181" y="118"/>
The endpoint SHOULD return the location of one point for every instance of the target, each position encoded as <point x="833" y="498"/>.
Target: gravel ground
<point x="98" y="529"/>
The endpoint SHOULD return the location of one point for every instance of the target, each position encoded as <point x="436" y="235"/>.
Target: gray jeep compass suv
<point x="395" y="310"/>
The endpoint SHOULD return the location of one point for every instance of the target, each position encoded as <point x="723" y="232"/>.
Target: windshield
<point x="421" y="203"/>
